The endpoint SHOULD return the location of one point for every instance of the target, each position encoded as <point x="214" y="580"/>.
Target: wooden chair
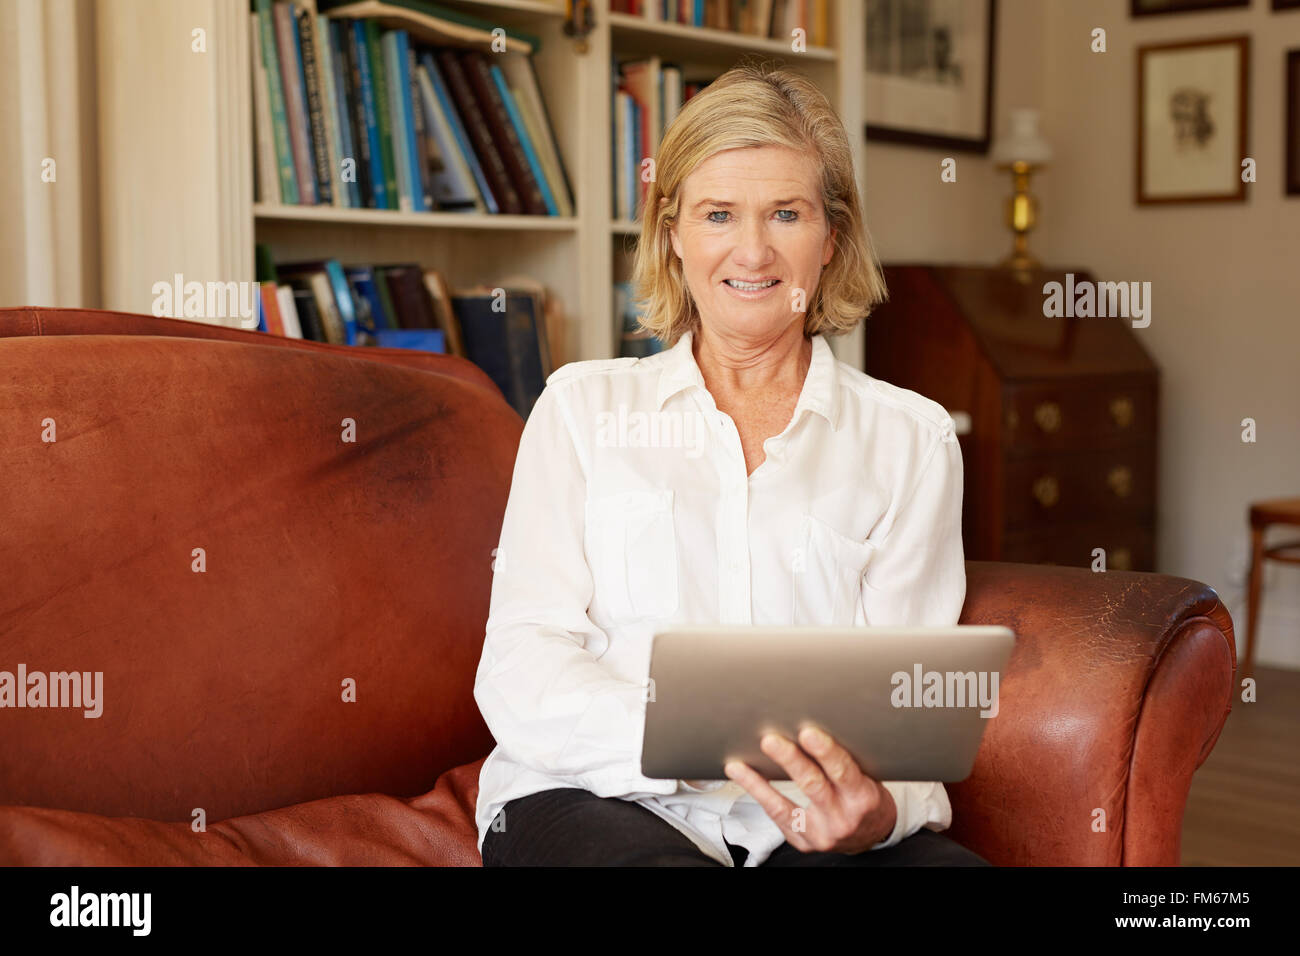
<point x="1281" y="511"/>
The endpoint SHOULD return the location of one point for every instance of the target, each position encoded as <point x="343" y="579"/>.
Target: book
<point x="428" y="340"/>
<point x="426" y="158"/>
<point x="288" y="312"/>
<point x="505" y="138"/>
<point x="444" y="315"/>
<point x="484" y="147"/>
<point x="306" y="27"/>
<point x="362" y="279"/>
<point x="383" y="114"/>
<point x="270" y="319"/>
<point x="266" y="167"/>
<point x="356" y="101"/>
<point x="370" y="101"/>
<point x="330" y="108"/>
<point x="286" y="36"/>
<point x="409" y="296"/>
<point x="509" y="346"/>
<point x="304" y="303"/>
<point x="521" y="76"/>
<point x="275" y="88"/>
<point x="532" y="160"/>
<point x="465" y="185"/>
<point x="388" y="45"/>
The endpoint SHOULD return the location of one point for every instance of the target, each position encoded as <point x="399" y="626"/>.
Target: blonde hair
<point x="753" y="105"/>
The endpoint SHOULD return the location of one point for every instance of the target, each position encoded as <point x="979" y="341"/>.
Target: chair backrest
<point x="183" y="514"/>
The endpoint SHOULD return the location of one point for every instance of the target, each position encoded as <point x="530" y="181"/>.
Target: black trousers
<point x="574" y="827"/>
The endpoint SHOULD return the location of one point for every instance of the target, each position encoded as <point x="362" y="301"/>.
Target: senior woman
<point x="742" y="476"/>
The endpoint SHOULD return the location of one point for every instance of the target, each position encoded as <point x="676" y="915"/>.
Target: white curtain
<point x="49" y="166"/>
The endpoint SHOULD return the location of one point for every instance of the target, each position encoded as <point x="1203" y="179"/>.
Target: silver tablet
<point x="908" y="703"/>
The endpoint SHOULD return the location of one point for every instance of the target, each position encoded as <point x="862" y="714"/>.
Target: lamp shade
<point x="1021" y="142"/>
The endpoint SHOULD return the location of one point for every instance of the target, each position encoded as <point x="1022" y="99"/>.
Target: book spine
<point x="377" y="179"/>
<point x="516" y="119"/>
<point x="503" y="131"/>
<point x="401" y="155"/>
<point x="356" y="105"/>
<point x="464" y="149"/>
<point x="283" y="148"/>
<point x="330" y="109"/>
<point x="383" y="117"/>
<point x="295" y="104"/>
<point x="268" y="174"/>
<point x="424" y="149"/>
<point x="315" y="114"/>
<point x="349" y="178"/>
<point x="484" y="148"/>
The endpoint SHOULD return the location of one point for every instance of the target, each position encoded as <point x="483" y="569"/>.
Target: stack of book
<point x="503" y="331"/>
<point x="648" y="95"/>
<point x="392" y="104"/>
<point x="776" y="19"/>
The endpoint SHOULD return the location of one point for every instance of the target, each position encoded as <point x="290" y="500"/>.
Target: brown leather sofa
<point x="225" y="737"/>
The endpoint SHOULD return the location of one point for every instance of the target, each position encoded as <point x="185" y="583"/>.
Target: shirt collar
<point x="820" y="392"/>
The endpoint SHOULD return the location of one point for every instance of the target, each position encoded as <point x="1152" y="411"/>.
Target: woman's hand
<point x="849" y="812"/>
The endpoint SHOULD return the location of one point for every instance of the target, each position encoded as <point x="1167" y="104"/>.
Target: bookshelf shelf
<point x="185" y="194"/>
<point x="419" y="220"/>
<point x="676" y="39"/>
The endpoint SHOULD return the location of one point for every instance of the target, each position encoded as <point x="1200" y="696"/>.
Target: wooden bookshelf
<point x="177" y="143"/>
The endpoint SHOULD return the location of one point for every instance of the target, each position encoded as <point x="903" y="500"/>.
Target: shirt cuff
<point x="918" y="805"/>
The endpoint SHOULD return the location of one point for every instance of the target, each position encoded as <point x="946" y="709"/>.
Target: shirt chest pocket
<point x="827" y="569"/>
<point x="633" y="549"/>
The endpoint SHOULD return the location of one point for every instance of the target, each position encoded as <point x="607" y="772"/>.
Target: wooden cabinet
<point x="1061" y="454"/>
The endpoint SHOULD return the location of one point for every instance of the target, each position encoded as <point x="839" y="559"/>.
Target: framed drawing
<point x="1293" y="123"/>
<point x="1191" y="120"/>
<point x="929" y="75"/>
<point x="1149" y="8"/>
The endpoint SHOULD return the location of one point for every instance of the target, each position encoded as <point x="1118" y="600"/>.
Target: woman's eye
<point x="793" y="217"/>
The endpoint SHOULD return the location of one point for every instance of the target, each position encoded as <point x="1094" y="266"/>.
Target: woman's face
<point x="753" y="214"/>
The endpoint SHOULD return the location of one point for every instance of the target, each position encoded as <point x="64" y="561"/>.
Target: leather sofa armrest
<point x="1116" y="692"/>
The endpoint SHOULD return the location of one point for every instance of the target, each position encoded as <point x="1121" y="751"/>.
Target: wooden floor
<point x="1244" y="805"/>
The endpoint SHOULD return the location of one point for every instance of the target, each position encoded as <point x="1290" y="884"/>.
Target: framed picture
<point x="1293" y="123"/>
<point x="929" y="75"/>
<point x="1150" y="8"/>
<point x="1191" y="120"/>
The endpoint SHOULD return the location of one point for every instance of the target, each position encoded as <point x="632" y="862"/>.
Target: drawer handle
<point x="1048" y="416"/>
<point x="1047" y="491"/>
<point x="1120" y="480"/>
<point x="1121" y="411"/>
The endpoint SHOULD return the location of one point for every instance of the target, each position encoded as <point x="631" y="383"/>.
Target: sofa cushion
<point x="434" y="829"/>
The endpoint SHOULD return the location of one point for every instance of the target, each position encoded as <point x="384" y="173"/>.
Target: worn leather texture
<point x="327" y="561"/>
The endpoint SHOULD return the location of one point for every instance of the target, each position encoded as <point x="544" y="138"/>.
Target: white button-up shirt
<point x="631" y="511"/>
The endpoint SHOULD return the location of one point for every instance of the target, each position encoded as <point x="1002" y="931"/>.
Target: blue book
<point x="302" y="79"/>
<point x="372" y="118"/>
<point x="512" y="108"/>
<point x="426" y="340"/>
<point x="458" y="130"/>
<point x="408" y="120"/>
<point x="351" y="190"/>
<point x="363" y="280"/>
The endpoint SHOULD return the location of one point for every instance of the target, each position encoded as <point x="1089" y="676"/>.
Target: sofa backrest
<point x="199" y="532"/>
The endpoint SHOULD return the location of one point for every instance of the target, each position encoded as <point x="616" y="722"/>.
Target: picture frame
<point x="1193" y="114"/>
<point x="929" y="75"/>
<point x="1291" y="77"/>
<point x="1155" y="8"/>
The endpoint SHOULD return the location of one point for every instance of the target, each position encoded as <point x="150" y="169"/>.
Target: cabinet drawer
<point x="1091" y="486"/>
<point x="1127" y="547"/>
<point x="1102" y="413"/>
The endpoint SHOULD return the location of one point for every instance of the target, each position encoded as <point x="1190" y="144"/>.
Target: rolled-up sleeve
<point x="549" y="702"/>
<point x="917" y="578"/>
